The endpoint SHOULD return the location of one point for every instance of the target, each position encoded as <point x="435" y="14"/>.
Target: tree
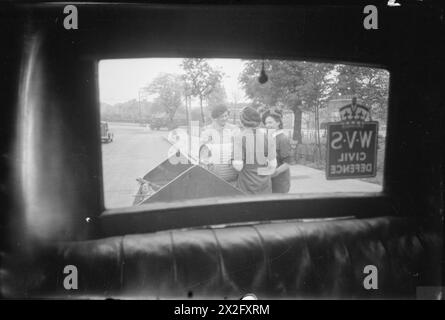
<point x="187" y="97"/>
<point x="126" y="111"/>
<point x="235" y="98"/>
<point x="316" y="91"/>
<point x="284" y="80"/>
<point x="168" y="89"/>
<point x="217" y="96"/>
<point x="306" y="87"/>
<point x="370" y="85"/>
<point x="201" y="78"/>
<point x="292" y="85"/>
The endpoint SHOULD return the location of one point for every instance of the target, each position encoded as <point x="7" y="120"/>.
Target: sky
<point x="121" y="79"/>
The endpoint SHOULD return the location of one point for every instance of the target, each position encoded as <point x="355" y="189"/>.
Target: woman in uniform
<point x="254" y="155"/>
<point x="273" y="119"/>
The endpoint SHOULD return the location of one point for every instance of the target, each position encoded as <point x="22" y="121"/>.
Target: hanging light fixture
<point x="263" y="76"/>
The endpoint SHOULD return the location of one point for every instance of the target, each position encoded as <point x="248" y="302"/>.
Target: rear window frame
<point x="163" y="216"/>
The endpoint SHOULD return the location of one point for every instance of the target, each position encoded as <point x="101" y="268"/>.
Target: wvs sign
<point x="351" y="150"/>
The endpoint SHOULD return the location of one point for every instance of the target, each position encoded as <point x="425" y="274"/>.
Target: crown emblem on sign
<point x="354" y="113"/>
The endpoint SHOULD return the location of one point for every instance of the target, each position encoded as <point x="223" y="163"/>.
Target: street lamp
<point x="139" y="102"/>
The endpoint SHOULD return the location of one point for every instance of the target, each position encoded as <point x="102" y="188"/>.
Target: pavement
<point x="309" y="180"/>
<point x="136" y="150"/>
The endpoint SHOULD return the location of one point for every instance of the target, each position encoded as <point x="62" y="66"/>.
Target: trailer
<point x="181" y="179"/>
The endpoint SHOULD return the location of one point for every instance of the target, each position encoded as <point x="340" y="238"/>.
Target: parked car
<point x="106" y="135"/>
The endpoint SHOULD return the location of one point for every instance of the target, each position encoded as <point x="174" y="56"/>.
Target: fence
<point x="310" y="153"/>
<point x="308" y="136"/>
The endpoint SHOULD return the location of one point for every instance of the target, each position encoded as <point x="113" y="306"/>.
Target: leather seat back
<point x="319" y="259"/>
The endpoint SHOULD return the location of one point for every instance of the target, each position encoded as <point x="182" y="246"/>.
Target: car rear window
<point x="175" y="129"/>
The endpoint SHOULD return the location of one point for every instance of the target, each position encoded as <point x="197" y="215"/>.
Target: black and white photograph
<point x="191" y="151"/>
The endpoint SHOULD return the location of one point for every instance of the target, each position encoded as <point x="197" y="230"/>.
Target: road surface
<point x="136" y="150"/>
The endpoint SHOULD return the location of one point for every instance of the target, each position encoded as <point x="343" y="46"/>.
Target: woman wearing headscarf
<point x="273" y="120"/>
<point x="254" y="154"/>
